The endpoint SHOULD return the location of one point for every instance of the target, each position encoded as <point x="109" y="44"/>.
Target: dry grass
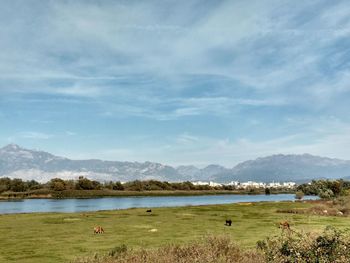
<point x="337" y="207"/>
<point x="218" y="249"/>
<point x="330" y="246"/>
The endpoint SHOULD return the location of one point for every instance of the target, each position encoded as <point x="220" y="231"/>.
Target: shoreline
<point x="288" y="198"/>
<point x="92" y="194"/>
<point x="243" y="203"/>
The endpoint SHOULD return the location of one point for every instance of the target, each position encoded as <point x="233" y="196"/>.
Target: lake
<point x="111" y="203"/>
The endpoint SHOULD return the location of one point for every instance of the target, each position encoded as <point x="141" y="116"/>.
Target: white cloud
<point x="70" y="133"/>
<point x="31" y="135"/>
<point x="230" y="60"/>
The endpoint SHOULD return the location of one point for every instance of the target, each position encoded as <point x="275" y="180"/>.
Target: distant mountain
<point x="288" y="168"/>
<point x="189" y="171"/>
<point x="212" y="171"/>
<point x="208" y="173"/>
<point x="30" y="164"/>
<point x="17" y="162"/>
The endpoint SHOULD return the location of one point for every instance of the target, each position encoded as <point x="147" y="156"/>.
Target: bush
<point x="5" y="184"/>
<point x="299" y="195"/>
<point x="57" y="184"/>
<point x="17" y="185"/>
<point x="117" y="251"/>
<point x="211" y="249"/>
<point x="86" y="184"/>
<point x="325" y="188"/>
<point x="330" y="246"/>
<point x="326" y="194"/>
<point x="118" y="186"/>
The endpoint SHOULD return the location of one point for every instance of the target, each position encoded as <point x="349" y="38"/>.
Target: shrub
<point x="17" y="185"/>
<point x="117" y="251"/>
<point x="57" y="184"/>
<point x="118" y="186"/>
<point x="326" y="194"/>
<point x="325" y="188"/>
<point x="211" y="249"/>
<point x="86" y="184"/>
<point x="299" y="195"/>
<point x="330" y="246"/>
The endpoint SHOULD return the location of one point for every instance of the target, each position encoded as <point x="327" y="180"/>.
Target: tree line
<point x="326" y="189"/>
<point x="58" y="184"/>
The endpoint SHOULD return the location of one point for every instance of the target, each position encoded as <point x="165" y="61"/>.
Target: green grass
<point x="60" y="237"/>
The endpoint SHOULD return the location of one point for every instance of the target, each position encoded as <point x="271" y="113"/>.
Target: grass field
<point x="60" y="237"/>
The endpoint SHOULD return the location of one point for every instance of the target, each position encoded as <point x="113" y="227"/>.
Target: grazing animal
<point x="284" y="225"/>
<point x="98" y="230"/>
<point x="149" y="211"/>
<point x="228" y="222"/>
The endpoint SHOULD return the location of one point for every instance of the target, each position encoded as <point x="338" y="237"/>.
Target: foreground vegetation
<point x="209" y="250"/>
<point x="330" y="246"/>
<point x="60" y="237"/>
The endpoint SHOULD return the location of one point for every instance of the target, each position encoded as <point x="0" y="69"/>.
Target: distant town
<point x="249" y="184"/>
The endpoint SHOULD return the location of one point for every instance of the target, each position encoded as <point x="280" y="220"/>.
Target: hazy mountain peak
<point x="42" y="166"/>
<point x="11" y="147"/>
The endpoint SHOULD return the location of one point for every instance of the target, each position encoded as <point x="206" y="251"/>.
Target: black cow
<point x="149" y="211"/>
<point x="228" y="222"/>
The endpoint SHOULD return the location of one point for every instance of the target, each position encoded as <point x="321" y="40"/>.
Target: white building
<point x="200" y="183"/>
<point x="289" y="184"/>
<point x="233" y="183"/>
<point x="250" y="184"/>
<point x="213" y="184"/>
<point x="253" y="184"/>
<point x="274" y="185"/>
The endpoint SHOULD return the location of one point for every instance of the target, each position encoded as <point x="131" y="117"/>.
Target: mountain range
<point x="17" y="162"/>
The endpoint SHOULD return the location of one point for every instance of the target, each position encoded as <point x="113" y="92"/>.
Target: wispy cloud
<point x="234" y="72"/>
<point x="30" y="135"/>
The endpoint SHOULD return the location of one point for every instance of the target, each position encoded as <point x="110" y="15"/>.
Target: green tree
<point x="84" y="184"/>
<point x="326" y="194"/>
<point x="118" y="186"/>
<point x="299" y="195"/>
<point x="5" y="184"/>
<point x="17" y="185"/>
<point x="57" y="184"/>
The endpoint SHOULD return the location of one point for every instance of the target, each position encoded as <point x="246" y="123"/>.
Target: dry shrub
<point x="328" y="208"/>
<point x="218" y="249"/>
<point x="332" y="246"/>
<point x="323" y="210"/>
<point x="343" y="204"/>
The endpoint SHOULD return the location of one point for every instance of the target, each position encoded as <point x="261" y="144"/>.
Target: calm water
<point x="79" y="205"/>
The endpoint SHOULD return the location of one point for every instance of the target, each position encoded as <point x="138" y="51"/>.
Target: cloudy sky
<point x="177" y="82"/>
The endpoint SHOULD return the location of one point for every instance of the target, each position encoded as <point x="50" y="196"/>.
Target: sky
<point x="177" y="82"/>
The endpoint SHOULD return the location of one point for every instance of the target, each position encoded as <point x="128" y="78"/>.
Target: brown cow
<point x="98" y="230"/>
<point x="284" y="225"/>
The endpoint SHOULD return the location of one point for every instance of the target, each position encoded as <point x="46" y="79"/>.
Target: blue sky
<point x="177" y="82"/>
